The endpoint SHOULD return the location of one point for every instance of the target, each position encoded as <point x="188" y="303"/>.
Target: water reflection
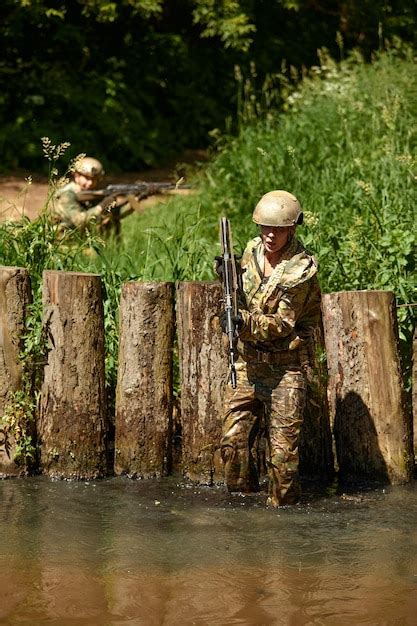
<point x="123" y="552"/>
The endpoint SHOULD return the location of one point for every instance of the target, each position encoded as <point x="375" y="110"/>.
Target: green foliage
<point x="137" y="81"/>
<point x="105" y="11"/>
<point x="17" y="428"/>
<point x="224" y="20"/>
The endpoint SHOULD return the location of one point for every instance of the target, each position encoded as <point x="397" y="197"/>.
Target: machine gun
<point x="230" y="278"/>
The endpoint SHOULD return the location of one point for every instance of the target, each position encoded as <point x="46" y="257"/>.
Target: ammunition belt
<point x="285" y="357"/>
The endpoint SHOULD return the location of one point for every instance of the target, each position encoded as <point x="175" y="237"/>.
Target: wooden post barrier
<point x="15" y="296"/>
<point x="372" y="431"/>
<point x="203" y="373"/>
<point x="72" y="421"/>
<point x="414" y="391"/>
<point x="144" y="387"/>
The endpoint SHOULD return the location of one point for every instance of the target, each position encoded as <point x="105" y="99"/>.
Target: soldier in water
<point x="276" y="321"/>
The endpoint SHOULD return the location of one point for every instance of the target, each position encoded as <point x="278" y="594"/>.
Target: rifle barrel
<point x="229" y="285"/>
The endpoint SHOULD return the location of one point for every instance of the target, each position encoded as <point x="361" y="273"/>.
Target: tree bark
<point x="203" y="374"/>
<point x="72" y="422"/>
<point x="15" y="296"/>
<point x="366" y="396"/>
<point x="144" y="387"/>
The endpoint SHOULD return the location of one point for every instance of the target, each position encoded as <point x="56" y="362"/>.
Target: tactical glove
<point x="236" y="319"/>
<point x="218" y="266"/>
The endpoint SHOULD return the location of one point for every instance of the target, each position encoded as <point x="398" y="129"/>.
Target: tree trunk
<point x="72" y="423"/>
<point x="144" y="388"/>
<point x="372" y="431"/>
<point x="203" y="373"/>
<point x="15" y="425"/>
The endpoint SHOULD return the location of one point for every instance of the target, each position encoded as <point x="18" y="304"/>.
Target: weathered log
<point x="144" y="389"/>
<point x="366" y="397"/>
<point x="15" y="296"/>
<point x="72" y="421"/>
<point x="203" y="374"/>
<point x="414" y="390"/>
<point x="316" y="442"/>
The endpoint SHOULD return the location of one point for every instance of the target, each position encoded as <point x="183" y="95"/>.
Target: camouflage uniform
<point x="68" y="212"/>
<point x="279" y="316"/>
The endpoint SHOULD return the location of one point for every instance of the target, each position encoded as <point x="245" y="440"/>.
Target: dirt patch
<point x="25" y="194"/>
<point x="19" y="196"/>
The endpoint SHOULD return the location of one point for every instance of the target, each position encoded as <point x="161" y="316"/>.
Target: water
<point x="118" y="552"/>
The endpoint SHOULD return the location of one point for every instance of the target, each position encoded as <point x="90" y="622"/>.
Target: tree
<point x="136" y="81"/>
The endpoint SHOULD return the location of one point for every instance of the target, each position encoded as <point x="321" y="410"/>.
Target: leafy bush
<point x="136" y="81"/>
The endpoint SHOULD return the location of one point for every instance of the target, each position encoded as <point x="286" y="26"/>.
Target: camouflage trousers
<point x="274" y="397"/>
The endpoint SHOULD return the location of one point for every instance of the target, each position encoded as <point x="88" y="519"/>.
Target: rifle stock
<point x="230" y="293"/>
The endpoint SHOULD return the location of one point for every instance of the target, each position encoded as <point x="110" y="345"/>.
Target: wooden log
<point x="144" y="388"/>
<point x="15" y="296"/>
<point x="316" y="442"/>
<point x="414" y="390"/>
<point x="203" y="374"/>
<point x="367" y="405"/>
<point x="72" y="422"/>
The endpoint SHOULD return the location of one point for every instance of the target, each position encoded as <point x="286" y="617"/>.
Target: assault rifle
<point x="120" y="200"/>
<point x="140" y="190"/>
<point x="230" y="278"/>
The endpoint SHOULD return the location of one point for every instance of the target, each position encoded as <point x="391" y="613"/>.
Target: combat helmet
<point x="88" y="166"/>
<point x="278" y="208"/>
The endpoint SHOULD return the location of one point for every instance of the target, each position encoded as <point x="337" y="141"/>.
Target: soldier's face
<point x="85" y="182"/>
<point x="274" y="238"/>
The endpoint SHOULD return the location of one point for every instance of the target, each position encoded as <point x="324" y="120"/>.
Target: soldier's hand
<point x="106" y="219"/>
<point x="237" y="321"/>
<point x="218" y="266"/>
<point x="121" y="200"/>
<point x="109" y="203"/>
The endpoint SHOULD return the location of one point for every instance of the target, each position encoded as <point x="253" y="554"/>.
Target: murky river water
<point x="118" y="552"/>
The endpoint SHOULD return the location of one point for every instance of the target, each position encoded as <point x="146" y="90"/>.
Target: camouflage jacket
<point x="280" y="312"/>
<point x="67" y="210"/>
